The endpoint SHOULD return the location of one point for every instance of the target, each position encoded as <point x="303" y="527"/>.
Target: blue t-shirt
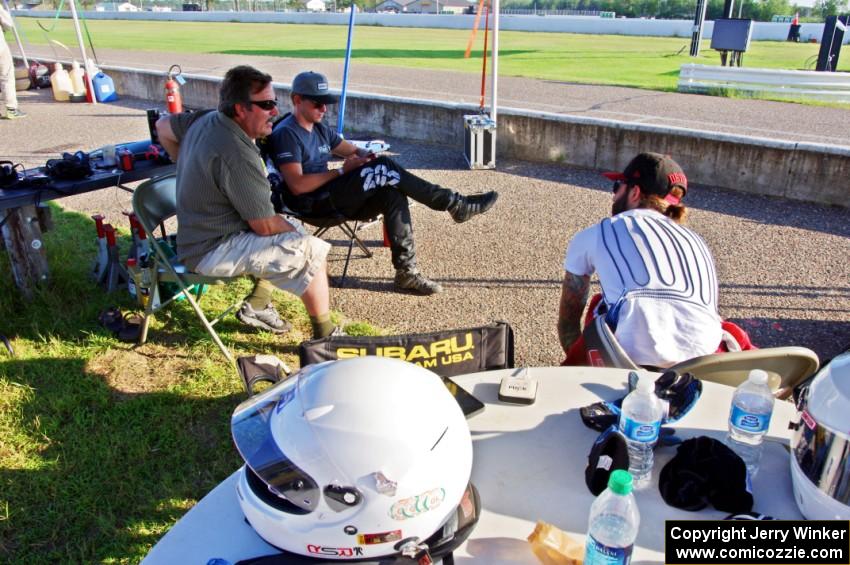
<point x="291" y="143"/>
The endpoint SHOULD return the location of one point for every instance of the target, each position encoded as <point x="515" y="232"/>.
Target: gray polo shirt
<point x="221" y="183"/>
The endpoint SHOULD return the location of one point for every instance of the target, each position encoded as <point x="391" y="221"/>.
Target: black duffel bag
<point x="9" y="174"/>
<point x="446" y="352"/>
<point x="74" y="166"/>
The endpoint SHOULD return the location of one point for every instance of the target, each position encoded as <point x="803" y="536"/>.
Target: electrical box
<point x="479" y="133"/>
<point x="732" y="34"/>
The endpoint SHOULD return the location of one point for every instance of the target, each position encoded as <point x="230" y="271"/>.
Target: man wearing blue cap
<point x="366" y="185"/>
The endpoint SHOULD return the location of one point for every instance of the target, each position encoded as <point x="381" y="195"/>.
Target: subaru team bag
<point x="446" y="352"/>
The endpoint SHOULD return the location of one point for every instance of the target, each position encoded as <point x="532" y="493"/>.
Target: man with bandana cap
<point x="659" y="284"/>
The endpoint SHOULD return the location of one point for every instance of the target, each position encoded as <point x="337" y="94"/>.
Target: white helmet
<point x="354" y="459"/>
<point x="820" y="445"/>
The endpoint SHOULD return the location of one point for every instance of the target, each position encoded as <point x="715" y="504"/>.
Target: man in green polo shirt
<point x="227" y="225"/>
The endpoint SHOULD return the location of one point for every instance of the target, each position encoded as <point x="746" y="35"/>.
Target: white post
<point x="89" y="69"/>
<point x="494" y="80"/>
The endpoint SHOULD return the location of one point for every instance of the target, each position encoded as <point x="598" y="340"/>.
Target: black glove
<point x="678" y="392"/>
<point x="603" y="415"/>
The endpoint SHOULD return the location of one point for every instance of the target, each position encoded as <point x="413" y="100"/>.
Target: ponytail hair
<point x="676" y="212"/>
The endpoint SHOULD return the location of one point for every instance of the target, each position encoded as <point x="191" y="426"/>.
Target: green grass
<point x="104" y="445"/>
<point x="642" y="62"/>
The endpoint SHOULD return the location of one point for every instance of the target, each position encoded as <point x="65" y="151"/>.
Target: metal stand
<point x="479" y="146"/>
<point x="102" y="259"/>
<point x="116" y="273"/>
<point x="734" y="58"/>
<point x="22" y="236"/>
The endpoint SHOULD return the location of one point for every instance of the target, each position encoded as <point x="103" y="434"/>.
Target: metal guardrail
<point x="830" y="87"/>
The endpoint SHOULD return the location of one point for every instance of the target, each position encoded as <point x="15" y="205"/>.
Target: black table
<point x="22" y="223"/>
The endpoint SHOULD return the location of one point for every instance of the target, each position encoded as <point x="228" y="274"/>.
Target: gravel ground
<point x="756" y="118"/>
<point x="783" y="265"/>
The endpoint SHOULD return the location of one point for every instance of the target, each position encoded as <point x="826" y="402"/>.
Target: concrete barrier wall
<point x="809" y="172"/>
<point x="556" y="24"/>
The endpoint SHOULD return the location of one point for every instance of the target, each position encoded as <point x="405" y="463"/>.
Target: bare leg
<point x="315" y="298"/>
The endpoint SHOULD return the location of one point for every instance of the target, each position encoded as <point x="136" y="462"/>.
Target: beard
<point x="620" y="204"/>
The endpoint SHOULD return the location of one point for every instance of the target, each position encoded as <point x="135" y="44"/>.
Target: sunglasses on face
<point x="316" y="104"/>
<point x="619" y="184"/>
<point x="267" y="105"/>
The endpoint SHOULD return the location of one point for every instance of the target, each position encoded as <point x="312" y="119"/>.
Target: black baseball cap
<point x="654" y="173"/>
<point x="609" y="453"/>
<point x="313" y="86"/>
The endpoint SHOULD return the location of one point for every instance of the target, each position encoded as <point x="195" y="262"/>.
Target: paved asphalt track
<point x="783" y="266"/>
<point x="756" y="118"/>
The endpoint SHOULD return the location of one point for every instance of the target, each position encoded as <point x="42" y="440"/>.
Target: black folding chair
<point x="786" y="366"/>
<point x="323" y="222"/>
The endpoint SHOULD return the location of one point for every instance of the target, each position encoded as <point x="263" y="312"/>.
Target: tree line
<point x="759" y="10"/>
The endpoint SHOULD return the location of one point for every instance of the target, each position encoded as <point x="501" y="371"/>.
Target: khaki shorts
<point x="287" y="260"/>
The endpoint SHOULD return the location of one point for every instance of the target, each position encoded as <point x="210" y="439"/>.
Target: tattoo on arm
<point x="574" y="292"/>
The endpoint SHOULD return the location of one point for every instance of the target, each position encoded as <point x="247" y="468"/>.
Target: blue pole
<point x="341" y="117"/>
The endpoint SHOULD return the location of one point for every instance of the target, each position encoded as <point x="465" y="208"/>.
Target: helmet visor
<point x="251" y="426"/>
<point x="824" y="457"/>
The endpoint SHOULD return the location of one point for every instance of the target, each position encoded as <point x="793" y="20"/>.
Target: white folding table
<point x="528" y="465"/>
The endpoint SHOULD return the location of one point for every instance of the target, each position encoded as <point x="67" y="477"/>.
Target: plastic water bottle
<point x="613" y="524"/>
<point x="749" y="418"/>
<point x="640" y="421"/>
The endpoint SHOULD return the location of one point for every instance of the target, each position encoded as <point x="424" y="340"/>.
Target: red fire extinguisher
<point x="173" y="99"/>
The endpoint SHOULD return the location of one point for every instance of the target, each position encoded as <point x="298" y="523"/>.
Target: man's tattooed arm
<point x="574" y="291"/>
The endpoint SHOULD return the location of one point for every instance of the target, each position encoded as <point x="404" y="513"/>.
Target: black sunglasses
<point x="267" y="105"/>
<point x="619" y="183"/>
<point x="316" y="103"/>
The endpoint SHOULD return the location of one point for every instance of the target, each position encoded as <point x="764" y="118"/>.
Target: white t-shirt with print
<point x="659" y="278"/>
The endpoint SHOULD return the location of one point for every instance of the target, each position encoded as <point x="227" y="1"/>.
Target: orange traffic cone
<point x="796" y="20"/>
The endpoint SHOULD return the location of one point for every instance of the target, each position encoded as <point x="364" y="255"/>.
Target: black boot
<point x="465" y="207"/>
<point x="414" y="281"/>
